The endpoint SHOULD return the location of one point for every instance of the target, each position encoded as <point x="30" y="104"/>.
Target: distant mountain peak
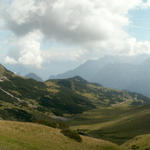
<point x="118" y="72"/>
<point x="34" y="77"/>
<point x="77" y="78"/>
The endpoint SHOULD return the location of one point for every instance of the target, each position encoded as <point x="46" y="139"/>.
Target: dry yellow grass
<point x="52" y="87"/>
<point x="28" y="136"/>
<point x="141" y="142"/>
<point x="95" y="114"/>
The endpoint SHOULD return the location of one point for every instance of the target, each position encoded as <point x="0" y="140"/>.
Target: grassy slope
<point x="141" y="142"/>
<point x="40" y="97"/>
<point x="28" y="136"/>
<point x="115" y="124"/>
<point x="68" y="96"/>
<point x="99" y="95"/>
<point x="116" y="121"/>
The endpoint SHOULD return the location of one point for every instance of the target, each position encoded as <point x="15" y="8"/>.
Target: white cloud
<point x="28" y="50"/>
<point x="2" y="22"/>
<point x="30" y="53"/>
<point x="146" y="4"/>
<point x="96" y="27"/>
<point x="10" y="60"/>
<point x="139" y="47"/>
<point x="60" y="54"/>
<point x="21" y="11"/>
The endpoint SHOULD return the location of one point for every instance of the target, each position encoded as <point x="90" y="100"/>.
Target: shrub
<point x="72" y="134"/>
<point x="47" y="123"/>
<point x="52" y="123"/>
<point x="134" y="147"/>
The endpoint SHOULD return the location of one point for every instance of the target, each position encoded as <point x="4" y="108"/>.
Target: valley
<point x="21" y="136"/>
<point x="117" y="124"/>
<point x="96" y="113"/>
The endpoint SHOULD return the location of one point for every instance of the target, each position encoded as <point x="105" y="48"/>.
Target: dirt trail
<point x="9" y="94"/>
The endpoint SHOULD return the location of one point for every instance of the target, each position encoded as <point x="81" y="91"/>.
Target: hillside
<point x="99" y="95"/>
<point x="97" y="111"/>
<point x="34" y="100"/>
<point x="140" y="142"/>
<point x="28" y="97"/>
<point x="120" y="72"/>
<point x="117" y="124"/>
<point x="4" y="72"/>
<point x="28" y="136"/>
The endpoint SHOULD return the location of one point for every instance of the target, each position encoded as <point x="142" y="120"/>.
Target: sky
<point x="52" y="36"/>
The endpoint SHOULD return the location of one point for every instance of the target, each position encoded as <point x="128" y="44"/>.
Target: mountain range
<point x="89" y="109"/>
<point x="121" y="72"/>
<point x="73" y="95"/>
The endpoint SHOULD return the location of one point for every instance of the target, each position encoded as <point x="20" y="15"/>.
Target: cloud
<point x="30" y="53"/>
<point x="10" y="60"/>
<point x="95" y="27"/>
<point x="2" y="22"/>
<point x="28" y="50"/>
<point x="146" y="4"/>
<point x="79" y="21"/>
<point x="139" y="47"/>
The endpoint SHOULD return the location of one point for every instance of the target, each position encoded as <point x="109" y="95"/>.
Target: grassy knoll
<point x="141" y="142"/>
<point x="28" y="136"/>
<point x="114" y="124"/>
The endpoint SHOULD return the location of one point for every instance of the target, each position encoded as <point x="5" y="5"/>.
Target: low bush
<point x="52" y="123"/>
<point x="134" y="147"/>
<point x="72" y="134"/>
